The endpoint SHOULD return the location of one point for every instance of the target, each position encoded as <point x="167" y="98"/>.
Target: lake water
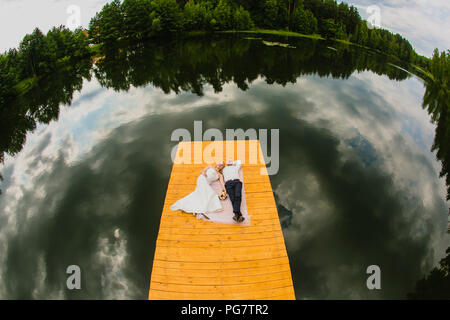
<point x="357" y="184"/>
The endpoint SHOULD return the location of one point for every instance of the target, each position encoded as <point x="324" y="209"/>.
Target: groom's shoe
<point x="236" y="218"/>
<point x="241" y="218"/>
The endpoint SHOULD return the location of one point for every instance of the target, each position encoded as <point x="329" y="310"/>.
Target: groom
<point x="234" y="187"/>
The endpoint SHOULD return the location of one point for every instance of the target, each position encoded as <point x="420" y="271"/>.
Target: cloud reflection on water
<point x="360" y="187"/>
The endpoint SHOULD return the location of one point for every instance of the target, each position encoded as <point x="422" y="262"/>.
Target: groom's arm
<point x="237" y="163"/>
<point x="222" y="181"/>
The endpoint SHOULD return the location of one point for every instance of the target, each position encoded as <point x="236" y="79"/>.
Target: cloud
<point x="20" y="17"/>
<point x="357" y="188"/>
<point x="74" y="223"/>
<point x="112" y="258"/>
<point x="425" y="24"/>
<point x="346" y="213"/>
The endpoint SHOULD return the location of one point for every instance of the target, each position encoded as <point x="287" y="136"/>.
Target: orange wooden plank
<point x="197" y="259"/>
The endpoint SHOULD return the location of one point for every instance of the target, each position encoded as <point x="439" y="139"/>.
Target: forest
<point x="135" y="20"/>
<point x="139" y="19"/>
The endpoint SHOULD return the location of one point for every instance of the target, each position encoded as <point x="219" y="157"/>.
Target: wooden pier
<point x="196" y="259"/>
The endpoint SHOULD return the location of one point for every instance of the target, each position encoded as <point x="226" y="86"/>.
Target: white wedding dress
<point x="203" y="199"/>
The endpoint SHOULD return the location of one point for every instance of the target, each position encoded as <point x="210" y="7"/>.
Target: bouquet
<point x="223" y="195"/>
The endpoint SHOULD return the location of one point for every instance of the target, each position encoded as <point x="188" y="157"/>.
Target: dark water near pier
<point x="357" y="184"/>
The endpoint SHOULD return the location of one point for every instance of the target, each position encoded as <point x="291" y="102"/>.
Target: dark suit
<point x="234" y="190"/>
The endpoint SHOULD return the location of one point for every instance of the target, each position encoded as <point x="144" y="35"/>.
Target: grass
<point x="346" y="42"/>
<point x="425" y="72"/>
<point x="277" y="32"/>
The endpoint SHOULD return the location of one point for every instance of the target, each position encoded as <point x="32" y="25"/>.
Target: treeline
<point x="326" y="17"/>
<point x="341" y="21"/>
<point x="38" y="55"/>
<point x="437" y="102"/>
<point x="139" y="19"/>
<point x="387" y="42"/>
<point x="436" y="285"/>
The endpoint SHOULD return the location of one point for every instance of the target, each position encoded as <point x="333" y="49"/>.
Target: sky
<point x="425" y="24"/>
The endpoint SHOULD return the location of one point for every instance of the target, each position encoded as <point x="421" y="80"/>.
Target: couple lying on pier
<point x="218" y="195"/>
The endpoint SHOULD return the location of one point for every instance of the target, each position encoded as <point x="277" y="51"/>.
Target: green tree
<point x="275" y="14"/>
<point x="353" y="20"/>
<point x="64" y="43"/>
<point x="37" y="54"/>
<point x="436" y="285"/>
<point x="228" y="16"/>
<point x="196" y="15"/>
<point x="270" y="14"/>
<point x="108" y="25"/>
<point x="329" y="9"/>
<point x="375" y="39"/>
<point x="136" y="20"/>
<point x="328" y="28"/>
<point x="166" y="16"/>
<point x="303" y="21"/>
<point x="242" y="19"/>
<point x="363" y="35"/>
<point x="437" y="102"/>
<point x="224" y="14"/>
<point x="9" y="75"/>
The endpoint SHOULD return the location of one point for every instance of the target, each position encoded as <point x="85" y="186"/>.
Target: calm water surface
<point x="357" y="183"/>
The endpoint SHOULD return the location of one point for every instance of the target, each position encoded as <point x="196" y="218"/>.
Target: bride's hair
<point x="220" y="163"/>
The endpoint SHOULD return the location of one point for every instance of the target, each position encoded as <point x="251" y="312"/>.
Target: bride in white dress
<point x="203" y="199"/>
